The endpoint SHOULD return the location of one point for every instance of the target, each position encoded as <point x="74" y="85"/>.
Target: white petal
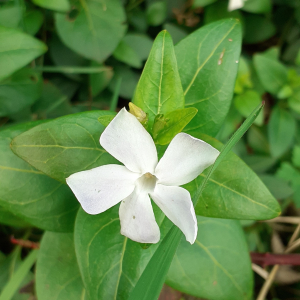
<point x="235" y="4"/>
<point x="177" y="205"/>
<point x="127" y="140"/>
<point x="101" y="188"/>
<point x="137" y="218"/>
<point x="185" y="158"/>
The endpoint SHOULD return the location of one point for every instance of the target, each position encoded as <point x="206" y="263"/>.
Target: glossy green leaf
<point x="109" y="262"/>
<point x="105" y="119"/>
<point x="8" y="218"/>
<point x="64" y="146"/>
<point x="57" y="272"/>
<point x="20" y="90"/>
<point x="246" y="102"/>
<point x="258" y="28"/>
<point x="272" y="74"/>
<point x="95" y="31"/>
<point x="200" y="67"/>
<point x="217" y="266"/>
<point x="257" y="6"/>
<point x="17" y="49"/>
<point x="281" y="131"/>
<point x="167" y="126"/>
<point x="57" y="5"/>
<point x="159" y="89"/>
<point x="30" y="194"/>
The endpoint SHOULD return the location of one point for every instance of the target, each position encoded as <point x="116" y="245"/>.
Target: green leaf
<point x="167" y="126"/>
<point x="243" y="79"/>
<point x="19" y="91"/>
<point x="208" y="85"/>
<point x="281" y="131"/>
<point x="257" y="6"/>
<point x="233" y="191"/>
<point x="109" y="262"/>
<point x="217" y="266"/>
<point x="156" y="13"/>
<point x="8" y="218"/>
<point x="278" y="187"/>
<point x="127" y="55"/>
<point x="257" y="29"/>
<point x="58" y="5"/>
<point x="33" y="20"/>
<point x="246" y="102"/>
<point x="57" y="272"/>
<point x="129" y="81"/>
<point x="10" y="15"/>
<point x="53" y="103"/>
<point x="17" y="49"/>
<point x="159" y="89"/>
<point x="105" y="119"/>
<point x="272" y="74"/>
<point x="258" y="141"/>
<point x="95" y="31"/>
<point x="231" y="123"/>
<point x="12" y="286"/>
<point x="30" y="194"/>
<point x="64" y="146"/>
<point x="99" y="81"/>
<point x="259" y="163"/>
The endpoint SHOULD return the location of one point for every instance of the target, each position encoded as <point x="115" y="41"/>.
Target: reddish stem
<point x="269" y="259"/>
<point x="24" y="243"/>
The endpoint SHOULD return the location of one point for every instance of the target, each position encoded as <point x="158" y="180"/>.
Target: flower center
<point x="146" y="182"/>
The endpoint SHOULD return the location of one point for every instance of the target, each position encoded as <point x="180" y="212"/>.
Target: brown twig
<point x="270" y="259"/>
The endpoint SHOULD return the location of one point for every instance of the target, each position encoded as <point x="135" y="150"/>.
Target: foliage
<point x="67" y="66"/>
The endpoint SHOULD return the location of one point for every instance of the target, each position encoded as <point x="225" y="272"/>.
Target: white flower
<point x="142" y="175"/>
<point x="235" y="4"/>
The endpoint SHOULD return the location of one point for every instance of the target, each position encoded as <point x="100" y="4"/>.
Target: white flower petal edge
<point x="177" y="205"/>
<point x="137" y="218"/>
<point x="101" y="188"/>
<point x="235" y="4"/>
<point x="127" y="140"/>
<point x="185" y="158"/>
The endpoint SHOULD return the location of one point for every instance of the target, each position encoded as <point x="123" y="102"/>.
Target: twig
<point x="293" y="245"/>
<point x="291" y="220"/>
<point x="260" y="271"/>
<point x="269" y="259"/>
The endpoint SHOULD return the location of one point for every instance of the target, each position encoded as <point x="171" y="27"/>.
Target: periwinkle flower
<point x="142" y="175"/>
